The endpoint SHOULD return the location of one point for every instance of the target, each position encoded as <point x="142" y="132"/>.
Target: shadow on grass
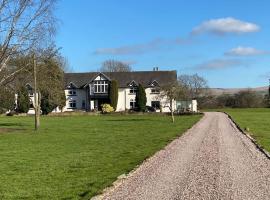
<point x="128" y="120"/>
<point x="9" y="124"/>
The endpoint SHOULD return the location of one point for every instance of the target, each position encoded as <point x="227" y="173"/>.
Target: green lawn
<point x="75" y="157"/>
<point x="258" y="122"/>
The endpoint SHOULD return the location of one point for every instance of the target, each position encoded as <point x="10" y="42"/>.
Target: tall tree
<point x="25" y="26"/>
<point x="115" y="66"/>
<point x="194" y="85"/>
<point x="113" y="94"/>
<point x="141" y="98"/>
<point x="268" y="103"/>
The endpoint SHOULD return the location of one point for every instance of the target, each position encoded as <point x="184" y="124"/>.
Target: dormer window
<point x="155" y="90"/>
<point x="101" y="86"/>
<point x="72" y="93"/>
<point x="133" y="90"/>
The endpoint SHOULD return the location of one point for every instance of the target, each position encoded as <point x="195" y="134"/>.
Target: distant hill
<point x="220" y="91"/>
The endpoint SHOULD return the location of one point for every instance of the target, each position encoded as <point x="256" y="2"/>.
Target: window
<point x="133" y="90"/>
<point x="72" y="93"/>
<point x="132" y="103"/>
<point x="155" y="90"/>
<point x="72" y="104"/>
<point x="155" y="104"/>
<point x="101" y="86"/>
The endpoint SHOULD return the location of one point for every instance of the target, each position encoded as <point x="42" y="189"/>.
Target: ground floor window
<point x="72" y="104"/>
<point x="155" y="104"/>
<point x="132" y="103"/>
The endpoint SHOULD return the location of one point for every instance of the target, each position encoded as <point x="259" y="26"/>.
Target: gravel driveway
<point x="213" y="160"/>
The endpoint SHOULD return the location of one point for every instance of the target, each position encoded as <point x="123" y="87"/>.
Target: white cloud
<point x="219" y="64"/>
<point x="245" y="51"/>
<point x="153" y="45"/>
<point x="223" y="26"/>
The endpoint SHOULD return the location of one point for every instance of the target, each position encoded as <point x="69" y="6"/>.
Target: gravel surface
<point x="213" y="160"/>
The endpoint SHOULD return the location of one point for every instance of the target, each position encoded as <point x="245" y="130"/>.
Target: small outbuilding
<point x="187" y="106"/>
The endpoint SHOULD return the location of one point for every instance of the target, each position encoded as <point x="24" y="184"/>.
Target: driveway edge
<point x="257" y="145"/>
<point x="121" y="178"/>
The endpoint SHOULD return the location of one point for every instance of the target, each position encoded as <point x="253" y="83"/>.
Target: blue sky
<point x="226" y="42"/>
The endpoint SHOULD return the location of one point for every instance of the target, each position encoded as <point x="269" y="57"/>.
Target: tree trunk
<point x="37" y="98"/>
<point x="171" y="106"/>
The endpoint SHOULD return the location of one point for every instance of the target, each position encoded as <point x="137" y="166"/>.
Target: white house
<point x="88" y="91"/>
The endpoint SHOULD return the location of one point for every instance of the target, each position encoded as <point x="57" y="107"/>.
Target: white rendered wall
<point x="79" y="97"/>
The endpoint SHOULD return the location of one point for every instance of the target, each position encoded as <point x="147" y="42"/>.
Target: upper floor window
<point x="101" y="86"/>
<point x="155" y="90"/>
<point x="72" y="93"/>
<point x="133" y="90"/>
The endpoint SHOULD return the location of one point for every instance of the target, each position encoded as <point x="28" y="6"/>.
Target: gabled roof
<point x="123" y="78"/>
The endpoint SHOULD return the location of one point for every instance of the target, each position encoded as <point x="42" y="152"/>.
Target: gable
<point x="154" y="84"/>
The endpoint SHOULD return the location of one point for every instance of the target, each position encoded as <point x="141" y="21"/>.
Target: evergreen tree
<point x="269" y="95"/>
<point x="46" y="104"/>
<point x="113" y="94"/>
<point x="23" y="101"/>
<point x="141" y="98"/>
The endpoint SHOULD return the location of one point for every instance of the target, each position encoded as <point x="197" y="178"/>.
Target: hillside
<point x="219" y="91"/>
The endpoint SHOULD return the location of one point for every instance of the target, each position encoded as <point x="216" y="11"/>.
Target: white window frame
<point x="72" y="104"/>
<point x="101" y="87"/>
<point x="132" y="103"/>
<point x="72" y="92"/>
<point x="155" y="90"/>
<point x="133" y="90"/>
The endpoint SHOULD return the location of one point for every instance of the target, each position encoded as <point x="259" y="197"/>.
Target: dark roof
<point x="124" y="78"/>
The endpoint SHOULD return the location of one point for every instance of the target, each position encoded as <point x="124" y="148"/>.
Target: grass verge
<point x="75" y="157"/>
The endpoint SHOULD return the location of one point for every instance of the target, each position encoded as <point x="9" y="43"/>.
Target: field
<point x="258" y="122"/>
<point x="75" y="157"/>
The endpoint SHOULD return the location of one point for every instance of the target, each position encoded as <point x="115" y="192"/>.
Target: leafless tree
<point x="195" y="85"/>
<point x="25" y="25"/>
<point x="169" y="93"/>
<point x="115" y="66"/>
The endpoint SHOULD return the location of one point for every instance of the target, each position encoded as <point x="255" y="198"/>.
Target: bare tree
<point x="169" y="93"/>
<point x="25" y="25"/>
<point x="115" y="66"/>
<point x="195" y="85"/>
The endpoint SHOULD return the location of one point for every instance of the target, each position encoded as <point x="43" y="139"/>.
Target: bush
<point x="106" y="108"/>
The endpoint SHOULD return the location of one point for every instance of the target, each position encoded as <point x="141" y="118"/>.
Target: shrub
<point x="106" y="108"/>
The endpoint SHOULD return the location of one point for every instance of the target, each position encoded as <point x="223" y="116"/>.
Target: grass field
<point x="258" y="122"/>
<point x="76" y="157"/>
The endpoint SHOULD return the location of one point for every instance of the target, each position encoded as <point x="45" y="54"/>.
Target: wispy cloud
<point x="129" y="62"/>
<point x="153" y="45"/>
<point x="217" y="64"/>
<point x="265" y="76"/>
<point x="245" y="51"/>
<point x="227" y="25"/>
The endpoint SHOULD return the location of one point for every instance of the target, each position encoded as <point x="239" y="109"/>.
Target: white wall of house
<point x="77" y="98"/>
<point x="125" y="98"/>
<point x="187" y="105"/>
